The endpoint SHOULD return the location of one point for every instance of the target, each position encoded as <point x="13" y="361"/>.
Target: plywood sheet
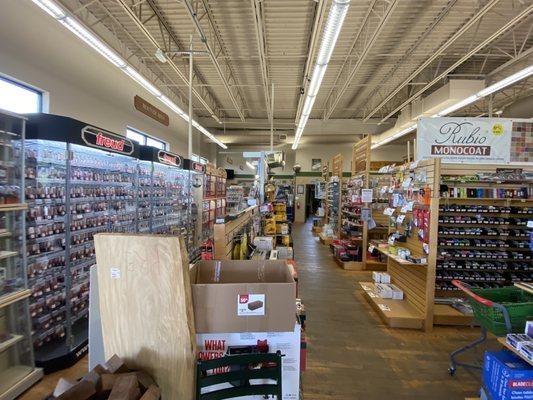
<point x="146" y="308"/>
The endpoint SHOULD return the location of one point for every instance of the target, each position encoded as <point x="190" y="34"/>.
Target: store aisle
<point x="352" y="355"/>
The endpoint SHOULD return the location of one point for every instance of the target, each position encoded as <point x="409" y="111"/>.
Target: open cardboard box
<point x="243" y="296"/>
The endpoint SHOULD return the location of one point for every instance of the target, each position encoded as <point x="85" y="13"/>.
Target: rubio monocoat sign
<point x="468" y="140"/>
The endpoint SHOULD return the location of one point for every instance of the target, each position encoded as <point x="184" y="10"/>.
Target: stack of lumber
<point x="113" y="381"/>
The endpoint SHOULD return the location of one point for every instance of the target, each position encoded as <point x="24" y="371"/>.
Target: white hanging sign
<point x="464" y="140"/>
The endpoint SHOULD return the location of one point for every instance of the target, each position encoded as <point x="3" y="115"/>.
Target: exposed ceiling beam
<point x="361" y="45"/>
<point x="517" y="19"/>
<point x="320" y="12"/>
<point x="402" y="60"/>
<point x="216" y="50"/>
<point x="257" y="8"/>
<point x="447" y="43"/>
<point x="200" y="91"/>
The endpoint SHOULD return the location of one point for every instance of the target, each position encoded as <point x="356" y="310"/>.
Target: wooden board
<point x="401" y="313"/>
<point x="146" y="308"/>
<point x="447" y="315"/>
<point x="349" y="265"/>
<point x="325" y="240"/>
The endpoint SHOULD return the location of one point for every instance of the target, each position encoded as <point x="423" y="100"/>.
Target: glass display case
<point x="17" y="372"/>
<point x="80" y="181"/>
<point x="195" y="187"/>
<point x="163" y="177"/>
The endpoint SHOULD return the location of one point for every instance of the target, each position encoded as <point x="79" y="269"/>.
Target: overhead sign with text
<point x="464" y="140"/>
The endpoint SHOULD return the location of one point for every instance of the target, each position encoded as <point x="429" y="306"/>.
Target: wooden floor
<point x="351" y="354"/>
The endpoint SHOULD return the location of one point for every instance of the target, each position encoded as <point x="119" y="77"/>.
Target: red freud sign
<point x="169" y="158"/>
<point x="104" y="140"/>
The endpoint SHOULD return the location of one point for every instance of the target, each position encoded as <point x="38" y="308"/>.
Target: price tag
<point x="530" y="224"/>
<point x="406" y="183"/>
<point x="388" y="211"/>
<point x="366" y="195"/>
<point x="383" y="307"/>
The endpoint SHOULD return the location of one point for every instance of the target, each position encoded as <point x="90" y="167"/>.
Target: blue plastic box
<point x="507" y="377"/>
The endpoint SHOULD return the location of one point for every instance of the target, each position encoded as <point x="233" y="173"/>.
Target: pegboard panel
<point x="336" y="165"/>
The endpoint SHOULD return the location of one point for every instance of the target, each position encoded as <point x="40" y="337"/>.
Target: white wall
<point x="81" y="84"/>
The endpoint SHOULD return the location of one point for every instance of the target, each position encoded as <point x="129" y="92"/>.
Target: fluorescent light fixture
<point x="396" y="135"/>
<point x="524" y="73"/>
<point x="250" y="165"/>
<point x="160" y="55"/>
<point x="457" y="106"/>
<point x="141" y="80"/>
<point x="51" y="8"/>
<point x="337" y="13"/>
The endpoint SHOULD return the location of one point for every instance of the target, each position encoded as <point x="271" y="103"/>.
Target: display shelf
<point x="395" y="313"/>
<point x="399" y="260"/>
<point x="349" y="265"/>
<point x="13" y="207"/>
<point x="444" y="314"/>
<point x="503" y="342"/>
<point x="10" y="298"/>
<point x="13" y="340"/>
<point x="7" y="254"/>
<point x="225" y="233"/>
<point x="12" y="379"/>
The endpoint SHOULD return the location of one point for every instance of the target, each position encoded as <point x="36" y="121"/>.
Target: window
<point x="144" y="139"/>
<point x="197" y="158"/>
<point x="18" y="98"/>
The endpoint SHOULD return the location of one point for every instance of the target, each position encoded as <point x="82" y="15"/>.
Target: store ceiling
<point x="380" y="61"/>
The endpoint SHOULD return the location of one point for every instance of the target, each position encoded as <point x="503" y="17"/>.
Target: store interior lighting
<point x="522" y="74"/>
<point x="250" y="165"/>
<point x="336" y="16"/>
<point x="51" y="8"/>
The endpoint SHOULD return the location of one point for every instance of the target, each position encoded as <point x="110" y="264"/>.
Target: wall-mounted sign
<point x="165" y="157"/>
<point x="150" y="110"/>
<point x="104" y="140"/>
<point x="464" y="140"/>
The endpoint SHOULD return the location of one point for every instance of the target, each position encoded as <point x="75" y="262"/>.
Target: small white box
<point x="264" y="242"/>
<point x="381" y="277"/>
<point x="389" y="291"/>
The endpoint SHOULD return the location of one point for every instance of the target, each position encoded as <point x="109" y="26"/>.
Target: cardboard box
<point x="284" y="252"/>
<point x="264" y="242"/>
<point x="215" y="345"/>
<point x="221" y="292"/>
<point x="507" y="377"/>
<point x="389" y="291"/>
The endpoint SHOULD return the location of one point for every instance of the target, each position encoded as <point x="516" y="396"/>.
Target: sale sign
<point x="465" y="140"/>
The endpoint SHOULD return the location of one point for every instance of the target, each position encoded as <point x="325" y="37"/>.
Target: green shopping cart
<point x="499" y="311"/>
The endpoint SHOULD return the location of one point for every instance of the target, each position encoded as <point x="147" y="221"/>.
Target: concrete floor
<point x="353" y="355"/>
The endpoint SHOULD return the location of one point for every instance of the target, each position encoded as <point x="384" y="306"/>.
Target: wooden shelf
<point x="325" y="240"/>
<point x="396" y="258"/>
<point x="371" y="265"/>
<point x="10" y="298"/>
<point x="528" y="287"/>
<point x="444" y="314"/>
<point x="395" y="313"/>
<point x="349" y="265"/>
<point x="13" y="207"/>
<point x="10" y="342"/>
<point x="7" y="254"/>
<point x="502" y="341"/>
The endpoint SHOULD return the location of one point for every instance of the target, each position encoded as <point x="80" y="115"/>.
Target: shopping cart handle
<point x="477" y="298"/>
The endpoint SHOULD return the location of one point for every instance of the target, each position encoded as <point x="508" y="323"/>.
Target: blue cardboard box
<point x="507" y="377"/>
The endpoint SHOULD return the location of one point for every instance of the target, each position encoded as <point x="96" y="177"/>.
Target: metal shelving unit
<point x="17" y="371"/>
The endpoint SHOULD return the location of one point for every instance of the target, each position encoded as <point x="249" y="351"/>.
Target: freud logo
<point x="460" y="138"/>
<point x="169" y="158"/>
<point x="243" y="298"/>
<point x="198" y="167"/>
<point x="101" y="139"/>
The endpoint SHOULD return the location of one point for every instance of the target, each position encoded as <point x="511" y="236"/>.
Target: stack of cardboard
<point x="113" y="381"/>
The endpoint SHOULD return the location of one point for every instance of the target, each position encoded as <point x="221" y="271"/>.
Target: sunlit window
<point x="146" y="140"/>
<point x="18" y="98"/>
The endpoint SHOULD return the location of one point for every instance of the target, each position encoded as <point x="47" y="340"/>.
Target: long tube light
<point x="333" y="27"/>
<point x="522" y="74"/>
<point x="51" y="8"/>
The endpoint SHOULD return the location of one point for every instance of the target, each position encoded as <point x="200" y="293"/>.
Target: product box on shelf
<point x="243" y="296"/>
<point x="264" y="242"/>
<point x="389" y="291"/>
<point x="380" y="277"/>
<point x="215" y="345"/>
<point x="507" y="377"/>
<point x="284" y="252"/>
